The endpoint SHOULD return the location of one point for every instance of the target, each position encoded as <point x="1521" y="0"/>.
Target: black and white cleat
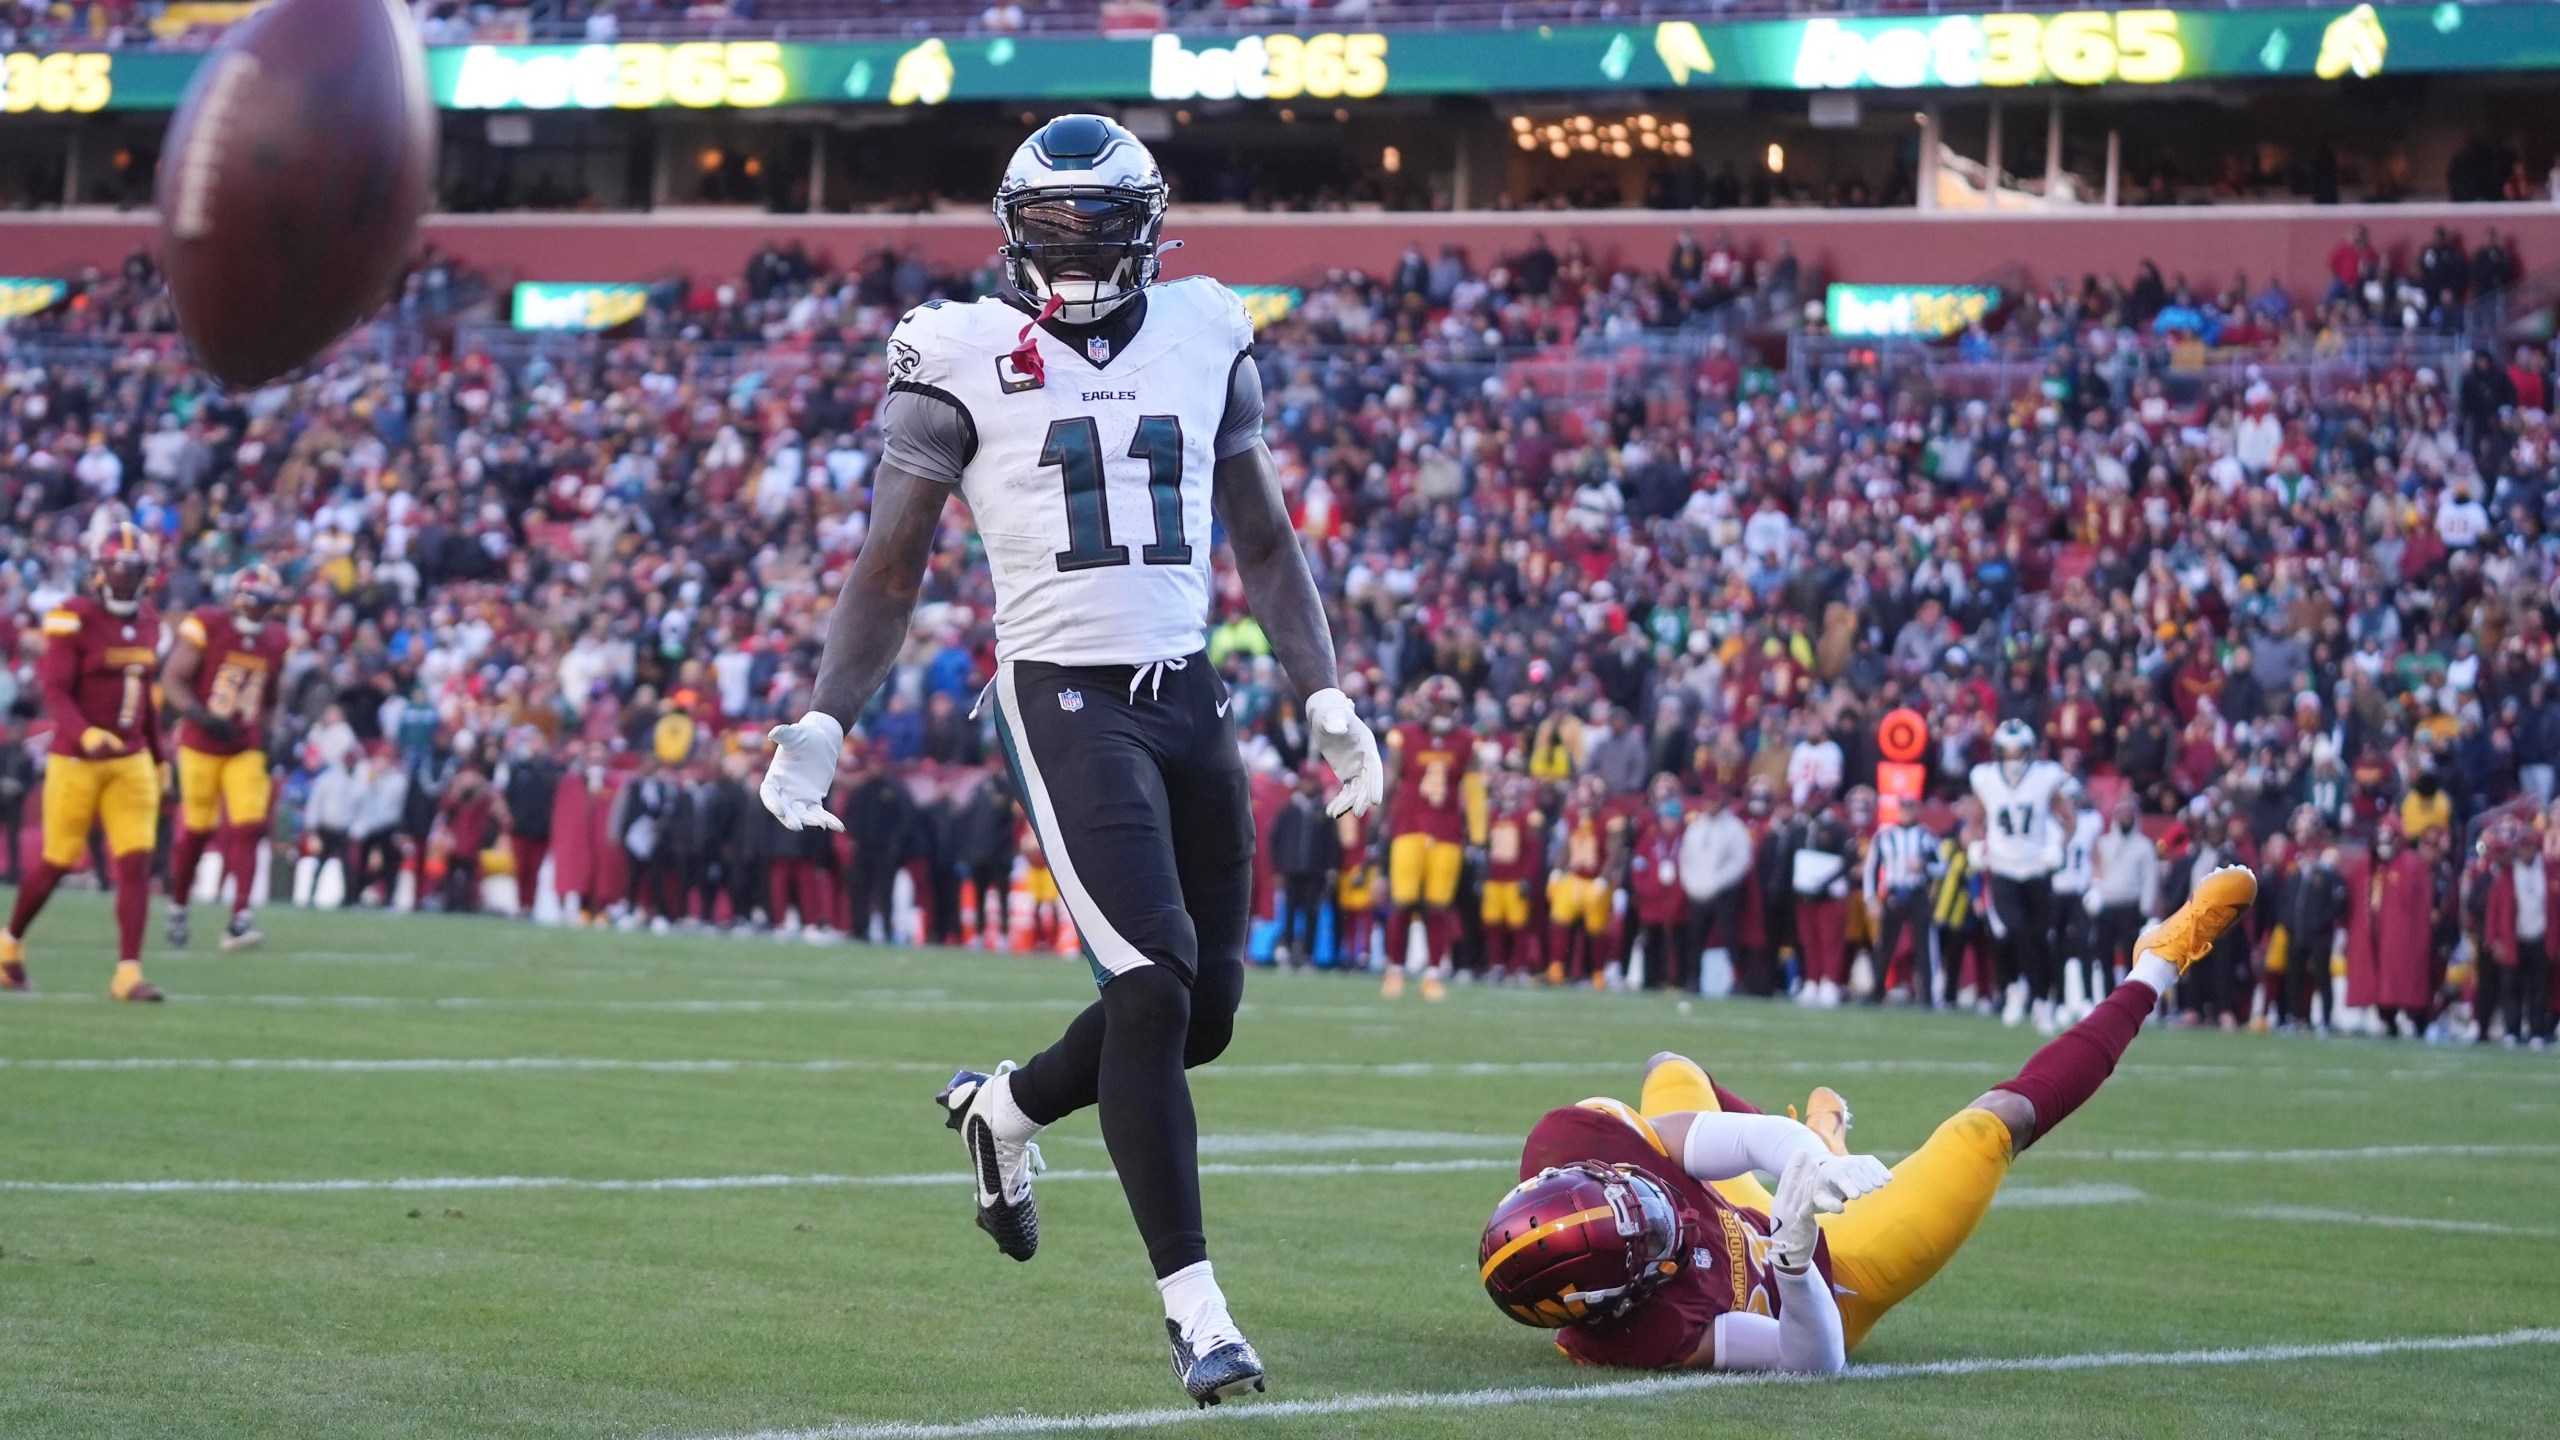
<point x="1001" y="1169"/>
<point x="243" y="933"/>
<point x="1229" y="1368"/>
<point x="177" y="931"/>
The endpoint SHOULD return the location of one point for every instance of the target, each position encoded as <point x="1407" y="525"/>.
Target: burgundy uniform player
<point x="1641" y="1236"/>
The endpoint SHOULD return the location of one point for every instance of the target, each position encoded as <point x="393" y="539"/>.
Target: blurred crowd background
<point x="2273" y="570"/>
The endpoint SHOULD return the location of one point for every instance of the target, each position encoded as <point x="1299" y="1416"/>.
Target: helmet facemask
<point x="1091" y="247"/>
<point x="121" y="581"/>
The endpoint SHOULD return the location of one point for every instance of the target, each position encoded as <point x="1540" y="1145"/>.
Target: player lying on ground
<point x="1642" y="1237"/>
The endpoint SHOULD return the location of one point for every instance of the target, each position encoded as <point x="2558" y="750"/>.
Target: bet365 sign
<point x="1279" y="66"/>
<point x="2080" y="47"/>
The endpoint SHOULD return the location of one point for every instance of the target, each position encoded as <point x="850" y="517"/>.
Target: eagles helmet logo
<point x="904" y="362"/>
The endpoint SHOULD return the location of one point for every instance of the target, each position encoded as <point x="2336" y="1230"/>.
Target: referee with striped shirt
<point x="1897" y="888"/>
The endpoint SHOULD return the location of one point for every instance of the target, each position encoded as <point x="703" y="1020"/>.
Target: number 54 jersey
<point x="1085" y="461"/>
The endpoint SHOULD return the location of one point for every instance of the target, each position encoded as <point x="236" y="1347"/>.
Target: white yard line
<point x="2312" y="1214"/>
<point x="1647" y="1388"/>
<point x="2310" y="1157"/>
<point x="953" y="1178"/>
<point x="836" y="1004"/>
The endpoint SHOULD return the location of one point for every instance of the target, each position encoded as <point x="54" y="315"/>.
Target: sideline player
<point x="103" y="768"/>
<point x="2023" y="835"/>
<point x="1094" y="421"/>
<point x="1642" y="1238"/>
<point x="1515" y="853"/>
<point x="1427" y="763"/>
<point x="220" y="677"/>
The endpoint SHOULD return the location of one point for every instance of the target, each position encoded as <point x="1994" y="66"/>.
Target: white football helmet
<point x="1082" y="207"/>
<point x="2015" y="744"/>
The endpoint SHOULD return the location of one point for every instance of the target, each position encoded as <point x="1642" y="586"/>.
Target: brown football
<point x="292" y="182"/>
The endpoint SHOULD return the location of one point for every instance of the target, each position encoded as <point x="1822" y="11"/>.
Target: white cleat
<point x="2014" y="1012"/>
<point x="1001" y="1169"/>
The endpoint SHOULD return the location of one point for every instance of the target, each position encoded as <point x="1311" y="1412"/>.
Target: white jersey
<point x="1089" y="480"/>
<point x="2025" y="840"/>
<point x="2079" y="854"/>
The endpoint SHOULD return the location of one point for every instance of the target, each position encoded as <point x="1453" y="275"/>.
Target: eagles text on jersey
<point x="1089" y="475"/>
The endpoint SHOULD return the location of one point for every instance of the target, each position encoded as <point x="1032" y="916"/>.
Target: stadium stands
<point x="2275" y="575"/>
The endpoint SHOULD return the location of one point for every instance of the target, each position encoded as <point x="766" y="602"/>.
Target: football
<point x="292" y="181"/>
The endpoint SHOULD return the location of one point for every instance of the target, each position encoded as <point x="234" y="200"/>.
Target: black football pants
<point x="1142" y="808"/>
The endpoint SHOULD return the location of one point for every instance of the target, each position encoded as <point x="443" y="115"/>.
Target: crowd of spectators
<point x="548" y="598"/>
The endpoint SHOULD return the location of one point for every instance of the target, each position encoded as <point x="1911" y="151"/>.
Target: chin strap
<point x="1026" y="351"/>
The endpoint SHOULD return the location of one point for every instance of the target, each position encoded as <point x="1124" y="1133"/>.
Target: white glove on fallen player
<point x="803" y="769"/>
<point x="1817" y="1185"/>
<point x="1343" y="738"/>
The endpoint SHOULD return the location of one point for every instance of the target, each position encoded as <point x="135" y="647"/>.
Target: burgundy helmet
<point x="1580" y="1242"/>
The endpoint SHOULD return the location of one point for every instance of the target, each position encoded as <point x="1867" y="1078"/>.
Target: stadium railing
<point x="2185" y="373"/>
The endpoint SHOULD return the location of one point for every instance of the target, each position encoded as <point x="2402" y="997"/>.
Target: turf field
<point x="441" y="1178"/>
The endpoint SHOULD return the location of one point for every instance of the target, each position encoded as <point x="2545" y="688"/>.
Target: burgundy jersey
<point x="1430" y="796"/>
<point x="1514" y="844"/>
<point x="1726" y="1268"/>
<point x="1586" y="841"/>
<point x="97" y="670"/>
<point x="236" y="679"/>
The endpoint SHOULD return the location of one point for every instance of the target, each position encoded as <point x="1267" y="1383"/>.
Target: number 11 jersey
<point x="1088" y="473"/>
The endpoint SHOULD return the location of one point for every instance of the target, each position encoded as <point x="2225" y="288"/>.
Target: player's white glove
<point x="803" y="769"/>
<point x="1343" y="738"/>
<point x="1817" y="1185"/>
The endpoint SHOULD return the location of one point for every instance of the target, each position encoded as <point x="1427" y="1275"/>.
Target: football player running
<point x="1094" y="420"/>
<point x="2024" y="836"/>
<point x="219" y="677"/>
<point x="1643" y="1239"/>
<point x="103" y="768"/>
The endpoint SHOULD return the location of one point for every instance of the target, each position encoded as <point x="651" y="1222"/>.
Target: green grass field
<point x="2227" y="1195"/>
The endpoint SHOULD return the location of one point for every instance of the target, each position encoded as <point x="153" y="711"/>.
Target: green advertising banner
<point x="571" y="305"/>
<point x="2088" y="47"/>
<point x="1928" y="312"/>
<point x="2082" y="47"/>
<point x="21" y="296"/>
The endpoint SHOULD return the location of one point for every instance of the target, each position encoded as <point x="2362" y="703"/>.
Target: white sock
<point x="1193" y="1301"/>
<point x="1006" y="1118"/>
<point x="2149" y="969"/>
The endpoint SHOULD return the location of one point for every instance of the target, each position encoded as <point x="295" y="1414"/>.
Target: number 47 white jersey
<point x="2024" y="839"/>
<point x="1089" y="477"/>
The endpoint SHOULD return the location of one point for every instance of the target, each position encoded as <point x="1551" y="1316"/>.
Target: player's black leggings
<point x="1140" y="801"/>
<point x="2025" y="946"/>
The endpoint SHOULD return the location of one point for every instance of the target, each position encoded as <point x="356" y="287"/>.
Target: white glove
<point x="1817" y="1185"/>
<point x="803" y="770"/>
<point x="1343" y="738"/>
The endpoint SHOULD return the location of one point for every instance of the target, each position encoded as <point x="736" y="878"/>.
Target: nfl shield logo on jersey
<point x="1097" y="349"/>
<point x="1071" y="701"/>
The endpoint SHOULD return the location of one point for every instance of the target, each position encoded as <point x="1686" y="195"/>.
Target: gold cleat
<point x="136" y="991"/>
<point x="2220" y="899"/>
<point x="1394" y="985"/>
<point x="1827" y="1116"/>
<point x="13" y="963"/>
<point x="1432" y="989"/>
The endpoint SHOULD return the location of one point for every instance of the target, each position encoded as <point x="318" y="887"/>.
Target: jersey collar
<point x="1099" y="343"/>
